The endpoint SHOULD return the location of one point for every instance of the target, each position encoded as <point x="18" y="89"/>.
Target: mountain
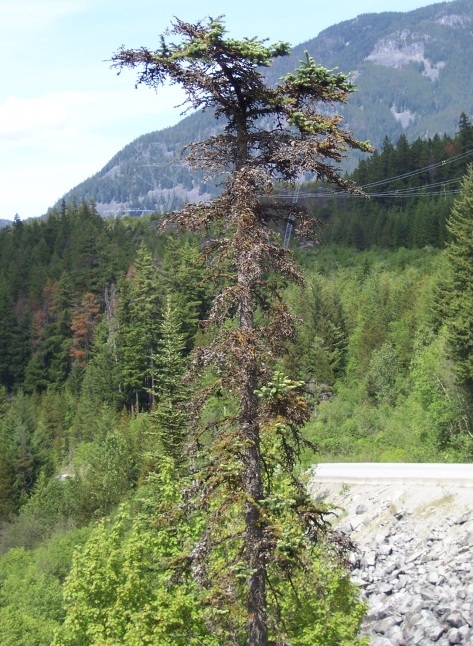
<point x="412" y="70"/>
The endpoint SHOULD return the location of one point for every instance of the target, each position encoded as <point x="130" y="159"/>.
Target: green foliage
<point x="279" y="386"/>
<point x="408" y="206"/>
<point x="320" y="353"/>
<point x="50" y="508"/>
<point x="105" y="468"/>
<point x="397" y="399"/>
<point x="383" y="370"/>
<point x="460" y="298"/>
<point x="325" y="611"/>
<point x="129" y="583"/>
<point x="138" y="313"/>
<point x="185" y="279"/>
<point x="404" y="405"/>
<point x="440" y="413"/>
<point x="19" y="464"/>
<point x="169" y="391"/>
<point x="46" y="268"/>
<point x="31" y="601"/>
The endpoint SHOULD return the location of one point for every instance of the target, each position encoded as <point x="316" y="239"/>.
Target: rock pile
<point x="413" y="561"/>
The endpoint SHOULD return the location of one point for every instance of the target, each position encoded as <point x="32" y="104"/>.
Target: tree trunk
<point x="257" y="613"/>
<point x="254" y="531"/>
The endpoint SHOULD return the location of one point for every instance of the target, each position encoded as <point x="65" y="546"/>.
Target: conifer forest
<point x="167" y="380"/>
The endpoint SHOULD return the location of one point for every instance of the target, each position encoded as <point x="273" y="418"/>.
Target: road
<point x="459" y="474"/>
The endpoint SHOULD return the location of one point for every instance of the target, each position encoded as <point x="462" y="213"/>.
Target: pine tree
<point x="271" y="133"/>
<point x="459" y="306"/>
<point x="7" y="333"/>
<point x="184" y="276"/>
<point x="169" y="391"/>
<point x="138" y="327"/>
<point x="51" y="338"/>
<point x="465" y="133"/>
<point x="84" y="320"/>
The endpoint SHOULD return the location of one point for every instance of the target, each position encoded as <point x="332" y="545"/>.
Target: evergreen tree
<point x="84" y="319"/>
<point x="19" y="466"/>
<point x="271" y="133"/>
<point x="459" y="308"/>
<point x="465" y="133"/>
<point x="169" y="390"/>
<point x="184" y="275"/>
<point x="138" y="312"/>
<point x="7" y="334"/>
<point x="51" y="338"/>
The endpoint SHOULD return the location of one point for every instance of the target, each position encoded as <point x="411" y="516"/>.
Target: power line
<point x="414" y="191"/>
<point x="425" y="169"/>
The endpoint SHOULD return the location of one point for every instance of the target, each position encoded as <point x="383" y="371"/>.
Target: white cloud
<point x="51" y="143"/>
<point x="31" y="15"/>
<point x="20" y="117"/>
<point x="49" y="114"/>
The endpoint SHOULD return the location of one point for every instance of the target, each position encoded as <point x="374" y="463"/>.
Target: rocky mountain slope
<point x="413" y="74"/>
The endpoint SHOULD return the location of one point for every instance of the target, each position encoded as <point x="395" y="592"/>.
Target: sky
<point x="64" y="113"/>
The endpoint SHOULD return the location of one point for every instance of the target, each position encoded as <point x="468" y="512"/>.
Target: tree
<point x="184" y="275"/>
<point x="270" y="134"/>
<point x="119" y="590"/>
<point x="458" y="305"/>
<point x="51" y="339"/>
<point x="19" y="465"/>
<point x="138" y="327"/>
<point x="465" y="133"/>
<point x="84" y="320"/>
<point x="169" y="390"/>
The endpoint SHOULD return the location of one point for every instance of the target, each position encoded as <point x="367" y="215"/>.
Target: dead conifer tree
<point x="271" y="133"/>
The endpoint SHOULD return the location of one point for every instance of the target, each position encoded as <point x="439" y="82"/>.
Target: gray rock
<point x="385" y="588"/>
<point x="396" y="636"/>
<point x="370" y="558"/>
<point x="415" y="557"/>
<point x="454" y="636"/>
<point x="433" y="577"/>
<point x="435" y="632"/>
<point x="391" y="569"/>
<point x="466" y="634"/>
<point x="416" y="636"/>
<point x="463" y="519"/>
<point x="376" y="613"/>
<point x="455" y="619"/>
<point x="442" y="610"/>
<point x="385" y="549"/>
<point x="381" y="641"/>
<point x="414" y="565"/>
<point x="383" y="627"/>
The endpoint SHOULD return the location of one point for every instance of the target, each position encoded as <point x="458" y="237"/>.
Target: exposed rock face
<point x="404" y="48"/>
<point x="414" y="559"/>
